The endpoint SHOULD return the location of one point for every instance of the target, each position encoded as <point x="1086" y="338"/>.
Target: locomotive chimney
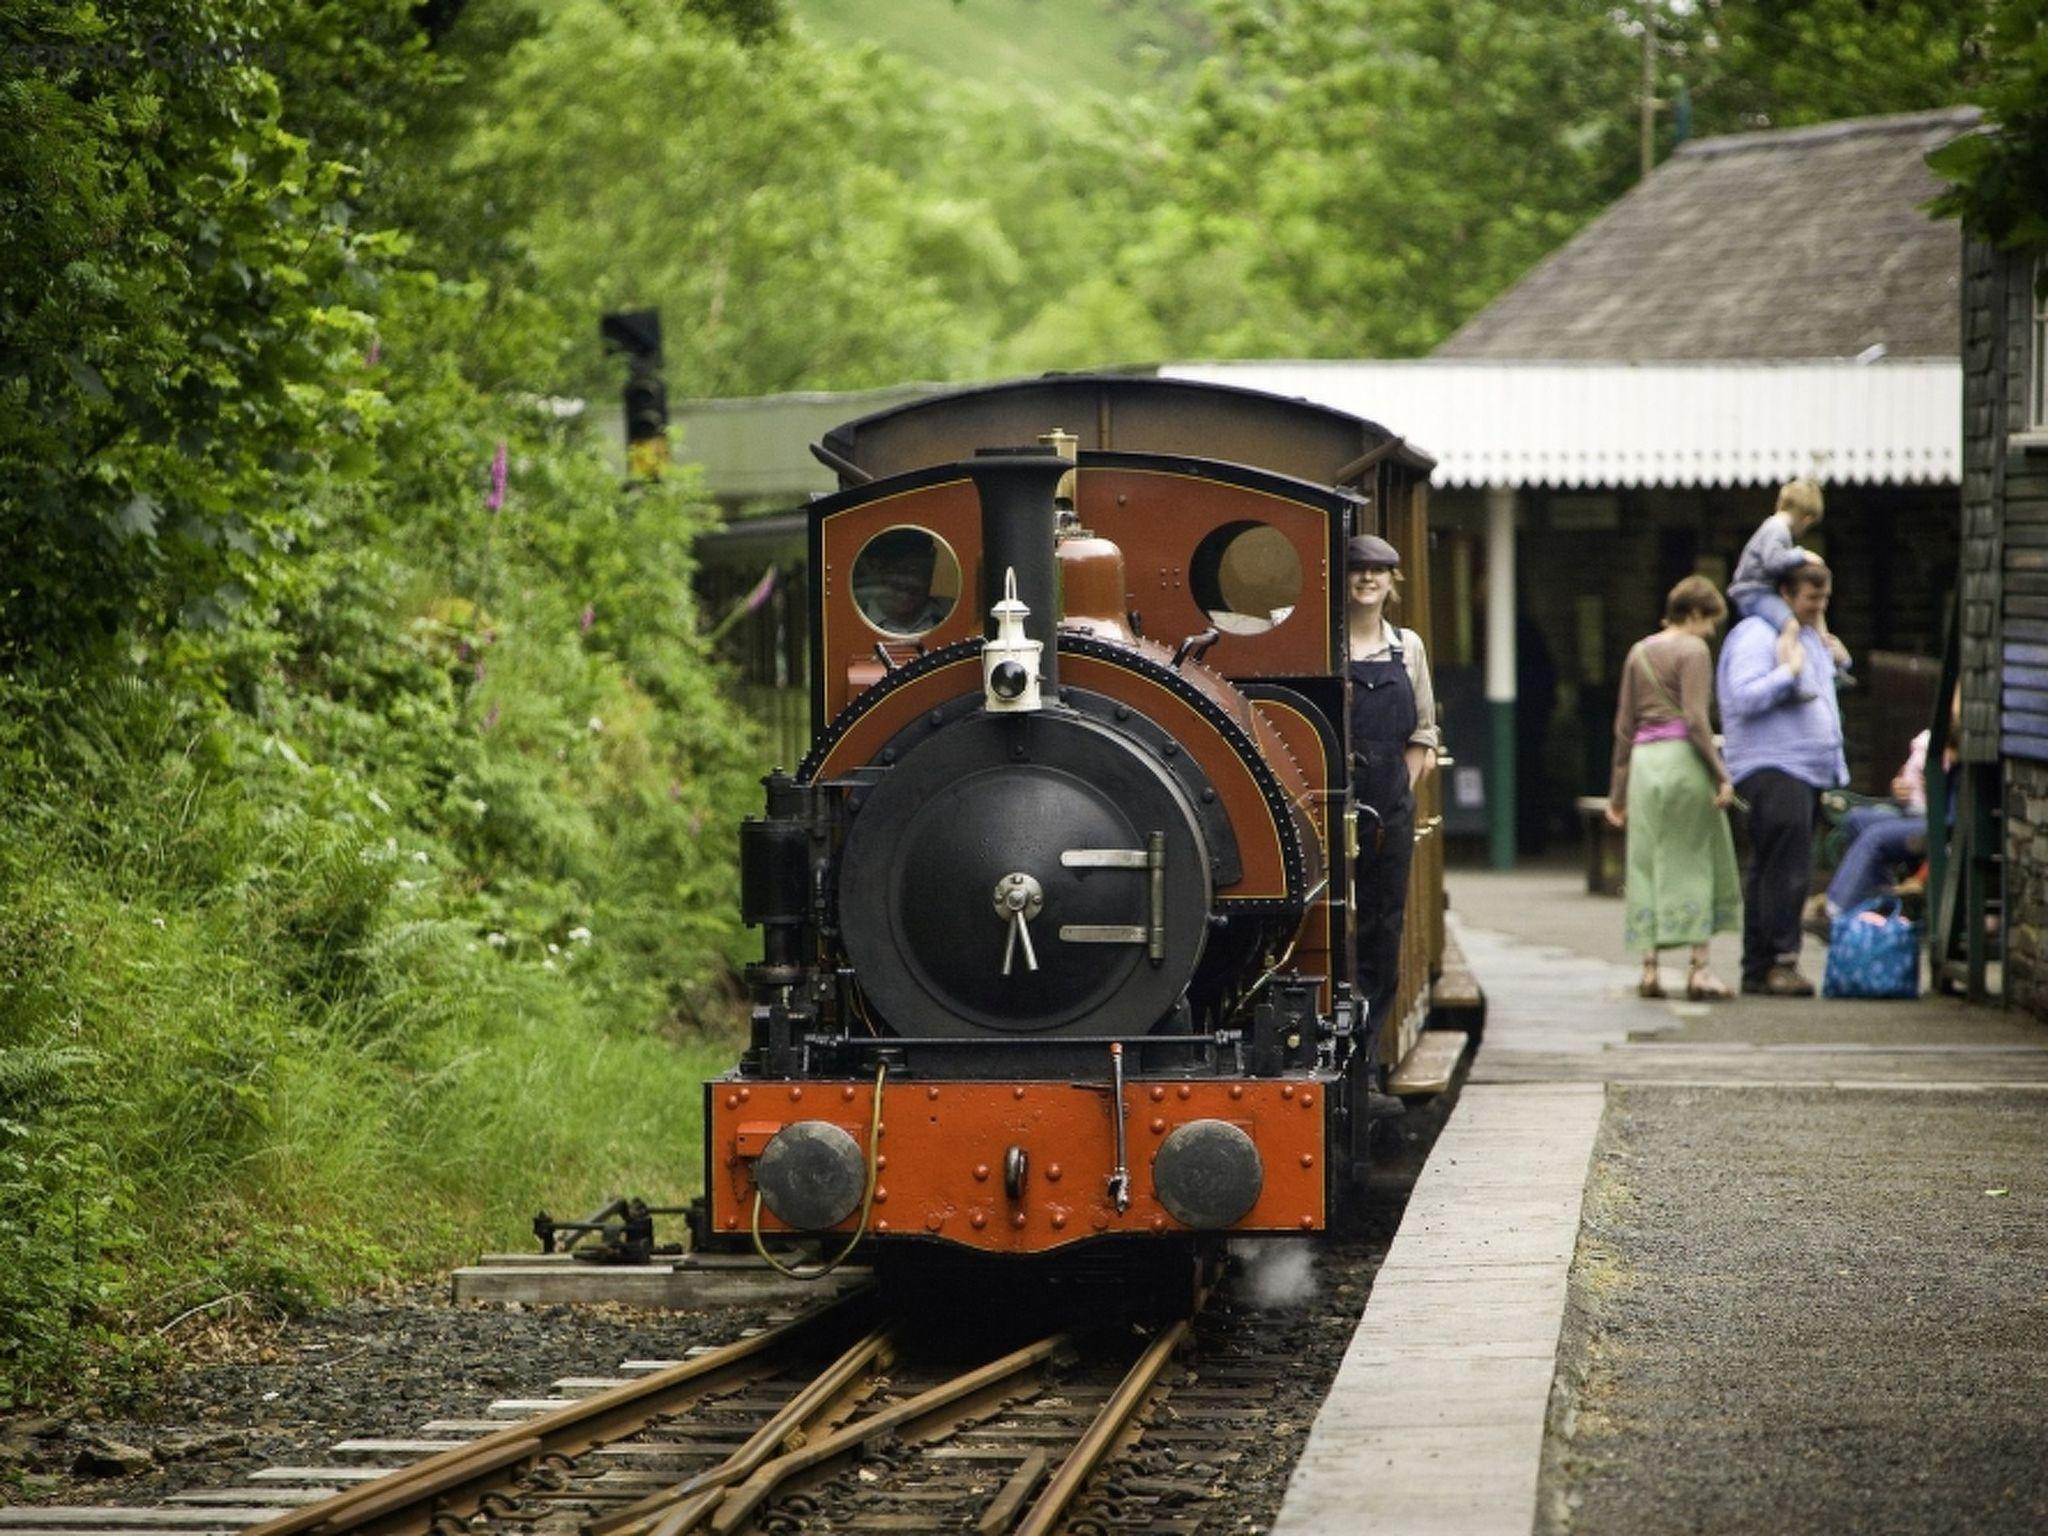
<point x="1016" y="487"/>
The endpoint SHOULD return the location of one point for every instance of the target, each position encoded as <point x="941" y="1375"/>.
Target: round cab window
<point x="1246" y="576"/>
<point x="905" y="581"/>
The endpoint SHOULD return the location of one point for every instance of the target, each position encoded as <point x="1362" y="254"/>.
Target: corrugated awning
<point x="1644" y="424"/>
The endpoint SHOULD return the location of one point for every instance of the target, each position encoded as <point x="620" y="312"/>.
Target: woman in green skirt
<point x="1671" y="790"/>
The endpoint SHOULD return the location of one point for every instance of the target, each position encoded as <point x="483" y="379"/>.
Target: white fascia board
<point x="1628" y="425"/>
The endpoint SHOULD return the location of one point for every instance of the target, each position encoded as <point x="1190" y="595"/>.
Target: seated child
<point x="1773" y="551"/>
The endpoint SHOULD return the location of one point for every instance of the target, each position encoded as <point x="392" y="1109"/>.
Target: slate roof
<point x="1803" y="243"/>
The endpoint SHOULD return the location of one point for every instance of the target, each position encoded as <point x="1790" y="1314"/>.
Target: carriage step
<point x="1428" y="1069"/>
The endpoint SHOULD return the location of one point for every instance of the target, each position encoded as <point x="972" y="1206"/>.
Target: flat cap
<point x="1370" y="549"/>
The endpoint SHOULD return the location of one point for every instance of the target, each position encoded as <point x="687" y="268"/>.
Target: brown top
<point x="1684" y="671"/>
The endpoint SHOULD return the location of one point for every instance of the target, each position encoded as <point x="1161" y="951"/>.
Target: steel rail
<point x="1002" y="1509"/>
<point x="1102" y="1434"/>
<point x="740" y="1503"/>
<point x="452" y="1481"/>
<point x="672" y="1511"/>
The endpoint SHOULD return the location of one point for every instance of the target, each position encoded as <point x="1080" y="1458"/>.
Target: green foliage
<point x="277" y="1016"/>
<point x="1040" y="51"/>
<point x="785" y="178"/>
<point x="182" y="289"/>
<point x="1359" y="175"/>
<point x="1785" y="63"/>
<point x="1998" y="180"/>
<point x="365" y="864"/>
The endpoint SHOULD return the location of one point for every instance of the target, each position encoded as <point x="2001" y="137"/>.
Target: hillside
<point x="1038" y="47"/>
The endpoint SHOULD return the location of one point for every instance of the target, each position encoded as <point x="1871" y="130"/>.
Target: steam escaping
<point x="1279" y="1273"/>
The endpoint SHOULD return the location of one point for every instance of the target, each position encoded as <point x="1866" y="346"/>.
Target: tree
<point x="1375" y="170"/>
<point x="1749" y="64"/>
<point x="1998" y="180"/>
<point x="753" y="193"/>
<point x="182" y="286"/>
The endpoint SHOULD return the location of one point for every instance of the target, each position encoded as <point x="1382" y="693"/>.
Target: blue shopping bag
<point x="1873" y="951"/>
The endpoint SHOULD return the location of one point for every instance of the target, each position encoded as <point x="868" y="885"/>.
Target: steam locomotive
<point x="1055" y="911"/>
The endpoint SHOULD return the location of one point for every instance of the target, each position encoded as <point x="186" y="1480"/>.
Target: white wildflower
<point x="495" y="940"/>
<point x="596" y="724"/>
<point x="554" y="949"/>
<point x="579" y="935"/>
<point x="419" y="856"/>
<point x="547" y="965"/>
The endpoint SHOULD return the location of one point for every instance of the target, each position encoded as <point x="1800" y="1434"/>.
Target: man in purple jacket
<point x="1783" y="745"/>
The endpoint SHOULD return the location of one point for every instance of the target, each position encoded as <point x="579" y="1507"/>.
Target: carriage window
<point x="905" y="581"/>
<point x="1246" y="576"/>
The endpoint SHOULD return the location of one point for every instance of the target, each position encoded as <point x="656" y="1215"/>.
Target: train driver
<point x="1394" y="741"/>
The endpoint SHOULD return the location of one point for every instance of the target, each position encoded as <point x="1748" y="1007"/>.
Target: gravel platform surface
<point x="1806" y="1311"/>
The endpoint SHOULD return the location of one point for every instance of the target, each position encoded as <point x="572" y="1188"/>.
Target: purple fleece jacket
<point x="1772" y="719"/>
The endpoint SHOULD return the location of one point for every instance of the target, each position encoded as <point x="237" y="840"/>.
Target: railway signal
<point x="637" y="333"/>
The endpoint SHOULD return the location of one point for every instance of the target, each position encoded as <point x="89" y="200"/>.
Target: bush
<point x="347" y="980"/>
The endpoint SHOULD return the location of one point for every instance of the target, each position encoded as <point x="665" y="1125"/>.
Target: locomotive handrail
<point x="1120" y="1175"/>
<point x="1251" y="992"/>
<point x="1358" y="466"/>
<point x="1218" y="1037"/>
<point x="844" y="468"/>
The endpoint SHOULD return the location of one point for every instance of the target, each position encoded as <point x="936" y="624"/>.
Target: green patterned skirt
<point x="1682" y="886"/>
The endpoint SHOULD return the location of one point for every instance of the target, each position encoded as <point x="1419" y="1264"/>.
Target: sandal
<point x="1652" y="985"/>
<point x="1703" y="986"/>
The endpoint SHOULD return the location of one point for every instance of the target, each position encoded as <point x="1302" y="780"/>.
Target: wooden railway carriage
<point x="1055" y="911"/>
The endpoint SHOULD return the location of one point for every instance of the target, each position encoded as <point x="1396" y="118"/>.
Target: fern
<point x="37" y="1077"/>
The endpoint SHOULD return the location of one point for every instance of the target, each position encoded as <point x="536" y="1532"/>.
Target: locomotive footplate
<point x="1018" y="1167"/>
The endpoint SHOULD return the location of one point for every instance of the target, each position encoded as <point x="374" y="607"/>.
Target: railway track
<point x="852" y="1417"/>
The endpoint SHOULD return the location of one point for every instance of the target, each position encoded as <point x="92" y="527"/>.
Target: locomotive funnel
<point x="1018" y="527"/>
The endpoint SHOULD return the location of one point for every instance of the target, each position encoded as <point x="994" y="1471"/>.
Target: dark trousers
<point x="1781" y="815"/>
<point x="1379" y="894"/>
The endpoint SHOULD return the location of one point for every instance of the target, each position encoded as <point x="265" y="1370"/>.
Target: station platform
<point x="1765" y="1264"/>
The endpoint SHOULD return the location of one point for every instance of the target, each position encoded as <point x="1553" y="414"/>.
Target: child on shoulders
<point x="1772" y="553"/>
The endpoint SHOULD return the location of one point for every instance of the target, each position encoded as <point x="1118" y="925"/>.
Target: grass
<point x="176" y="1101"/>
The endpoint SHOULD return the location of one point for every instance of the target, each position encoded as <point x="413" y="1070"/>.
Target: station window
<point x="2037" y="351"/>
<point x="906" y="581"/>
<point x="1246" y="576"/>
